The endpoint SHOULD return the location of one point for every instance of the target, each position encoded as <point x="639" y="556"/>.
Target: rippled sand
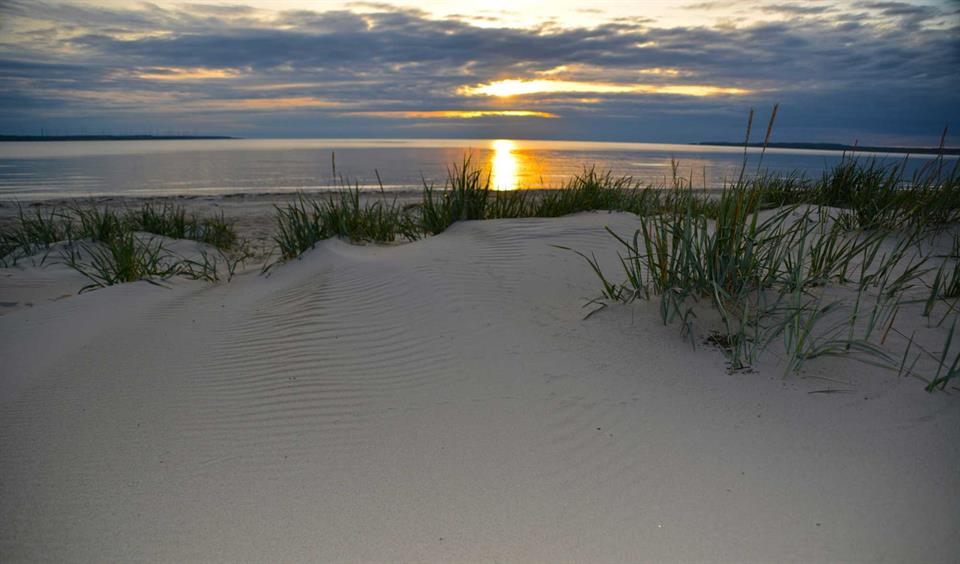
<point x="445" y="401"/>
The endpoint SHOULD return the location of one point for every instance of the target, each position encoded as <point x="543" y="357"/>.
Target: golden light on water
<point x="504" y="165"/>
<point x="514" y="87"/>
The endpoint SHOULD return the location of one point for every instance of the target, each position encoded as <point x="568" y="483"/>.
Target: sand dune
<point x="445" y="401"/>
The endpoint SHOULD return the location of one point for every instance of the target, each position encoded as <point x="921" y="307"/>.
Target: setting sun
<point x="504" y="168"/>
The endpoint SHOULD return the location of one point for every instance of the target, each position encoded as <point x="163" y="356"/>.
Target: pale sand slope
<point x="445" y="401"/>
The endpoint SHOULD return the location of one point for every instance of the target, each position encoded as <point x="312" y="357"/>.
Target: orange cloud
<point x="661" y="71"/>
<point x="184" y="73"/>
<point x="515" y="87"/>
<point x="456" y="114"/>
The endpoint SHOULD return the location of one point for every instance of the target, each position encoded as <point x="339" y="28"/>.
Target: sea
<point x="79" y="169"/>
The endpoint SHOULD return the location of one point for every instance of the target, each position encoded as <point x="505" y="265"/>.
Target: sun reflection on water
<point x="504" y="165"/>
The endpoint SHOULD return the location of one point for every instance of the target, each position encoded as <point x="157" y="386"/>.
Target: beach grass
<point x="767" y="279"/>
<point x="122" y="258"/>
<point x="466" y="195"/>
<point x="773" y="277"/>
<point x="111" y="246"/>
<point x="41" y="229"/>
<point x="766" y="253"/>
<point x="32" y="232"/>
<point x="870" y="196"/>
<point x="172" y="221"/>
<point x="306" y="221"/>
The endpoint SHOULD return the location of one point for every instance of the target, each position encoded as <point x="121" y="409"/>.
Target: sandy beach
<point x="522" y="282"/>
<point x="442" y="401"/>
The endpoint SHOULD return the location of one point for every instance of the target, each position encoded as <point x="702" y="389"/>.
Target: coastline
<point x="46" y="138"/>
<point x="834" y="147"/>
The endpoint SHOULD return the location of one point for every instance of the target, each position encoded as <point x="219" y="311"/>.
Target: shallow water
<point x="42" y="170"/>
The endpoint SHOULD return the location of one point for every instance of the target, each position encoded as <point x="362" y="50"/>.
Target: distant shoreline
<point x="787" y="145"/>
<point x="110" y="137"/>
<point x="839" y="147"/>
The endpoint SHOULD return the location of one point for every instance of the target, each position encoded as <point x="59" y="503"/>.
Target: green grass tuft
<point x="123" y="258"/>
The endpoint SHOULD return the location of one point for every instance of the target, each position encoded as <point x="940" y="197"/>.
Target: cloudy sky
<point x="677" y="71"/>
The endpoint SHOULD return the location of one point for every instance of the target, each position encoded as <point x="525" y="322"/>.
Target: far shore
<point x="808" y="146"/>
<point x="33" y="138"/>
<point x="839" y="147"/>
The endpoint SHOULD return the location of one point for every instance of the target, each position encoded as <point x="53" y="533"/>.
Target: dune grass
<point x="874" y="195"/>
<point x="172" y="221"/>
<point x="764" y="254"/>
<point x="870" y="195"/>
<point x="130" y="257"/>
<point x="466" y="195"/>
<point x="103" y="244"/>
<point x="122" y="258"/>
<point x="39" y="230"/>
<point x="763" y="258"/>
<point x="304" y="222"/>
<point x="766" y="279"/>
<point x="765" y="275"/>
<point x="32" y="232"/>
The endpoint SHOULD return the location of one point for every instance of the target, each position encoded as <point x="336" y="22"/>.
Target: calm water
<point x="95" y="168"/>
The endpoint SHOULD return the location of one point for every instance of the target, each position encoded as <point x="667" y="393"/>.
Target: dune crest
<point x="445" y="401"/>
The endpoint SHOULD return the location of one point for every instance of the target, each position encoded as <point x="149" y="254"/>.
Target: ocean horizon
<point x="78" y="169"/>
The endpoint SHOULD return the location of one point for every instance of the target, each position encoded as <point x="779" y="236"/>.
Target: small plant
<point x="123" y="258"/>
<point x="380" y="221"/>
<point x="32" y="232"/>
<point x="592" y="190"/>
<point x="101" y="243"/>
<point x="208" y="266"/>
<point x="303" y="223"/>
<point x="42" y="229"/>
<point x="171" y="221"/>
<point x="464" y="196"/>
<point x="946" y="285"/>
<point x="167" y="220"/>
<point x="757" y="275"/>
<point x="951" y="281"/>
<point x="941" y="378"/>
<point x="100" y="224"/>
<point x="299" y="227"/>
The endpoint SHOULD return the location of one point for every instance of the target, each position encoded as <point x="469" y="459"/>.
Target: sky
<point x="872" y="72"/>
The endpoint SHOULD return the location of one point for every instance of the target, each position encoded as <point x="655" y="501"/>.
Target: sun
<point x="504" y="167"/>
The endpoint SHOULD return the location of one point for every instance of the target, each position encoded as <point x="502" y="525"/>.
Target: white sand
<point x="445" y="401"/>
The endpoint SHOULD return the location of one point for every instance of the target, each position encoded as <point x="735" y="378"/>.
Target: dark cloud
<point x="899" y="9"/>
<point x="834" y="71"/>
<point x="706" y="6"/>
<point x="220" y="9"/>
<point x="797" y="9"/>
